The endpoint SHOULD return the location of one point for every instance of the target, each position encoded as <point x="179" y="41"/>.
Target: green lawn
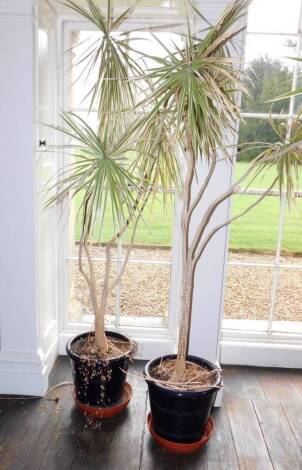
<point x="258" y="230"/>
<point x="154" y="229"/>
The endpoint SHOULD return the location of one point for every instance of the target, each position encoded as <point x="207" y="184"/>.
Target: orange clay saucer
<point x="97" y="412"/>
<point x="177" y="447"/>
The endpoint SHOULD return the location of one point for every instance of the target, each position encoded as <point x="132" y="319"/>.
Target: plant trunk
<point x="99" y="311"/>
<point x="100" y="336"/>
<point x="185" y="320"/>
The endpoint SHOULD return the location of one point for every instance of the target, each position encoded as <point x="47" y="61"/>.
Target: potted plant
<point x="199" y="86"/>
<point x="107" y="172"/>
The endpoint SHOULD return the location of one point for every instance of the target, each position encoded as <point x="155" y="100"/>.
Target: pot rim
<point x="77" y="357"/>
<point x="184" y="393"/>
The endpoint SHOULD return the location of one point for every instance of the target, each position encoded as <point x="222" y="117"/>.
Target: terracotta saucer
<point x="177" y="447"/>
<point x="97" y="412"/>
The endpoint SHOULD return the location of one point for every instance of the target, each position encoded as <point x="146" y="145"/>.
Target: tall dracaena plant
<point x="197" y="86"/>
<point x="101" y="171"/>
<point x="100" y="175"/>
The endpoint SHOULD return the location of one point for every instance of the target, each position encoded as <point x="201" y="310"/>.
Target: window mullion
<point x="265" y="115"/>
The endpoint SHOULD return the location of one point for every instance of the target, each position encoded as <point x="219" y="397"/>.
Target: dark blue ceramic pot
<point x="181" y="416"/>
<point x="98" y="382"/>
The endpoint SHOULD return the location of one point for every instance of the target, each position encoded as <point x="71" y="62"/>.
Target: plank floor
<point x="258" y="427"/>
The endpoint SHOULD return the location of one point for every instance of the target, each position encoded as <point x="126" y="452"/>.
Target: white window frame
<point x="244" y="341"/>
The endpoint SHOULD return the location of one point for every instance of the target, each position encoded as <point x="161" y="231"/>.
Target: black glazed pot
<point x="181" y="416"/>
<point x="96" y="382"/>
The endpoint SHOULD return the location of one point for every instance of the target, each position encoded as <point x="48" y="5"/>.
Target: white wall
<point x="24" y="365"/>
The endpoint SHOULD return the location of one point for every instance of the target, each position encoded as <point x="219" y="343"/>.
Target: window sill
<point x="247" y="342"/>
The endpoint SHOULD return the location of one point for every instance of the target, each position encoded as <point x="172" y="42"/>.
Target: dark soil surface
<point x="196" y="376"/>
<point x="87" y="349"/>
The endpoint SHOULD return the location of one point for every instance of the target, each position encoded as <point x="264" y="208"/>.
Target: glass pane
<point x="153" y="244"/>
<point x="80" y="307"/>
<point x="249" y="257"/>
<point x="253" y="240"/>
<point x="150" y="3"/>
<point x="145" y="291"/>
<point x="274" y="16"/>
<point x="153" y="236"/>
<point x="292" y="235"/>
<point x="154" y="229"/>
<point x="82" y="75"/>
<point x="268" y="72"/>
<point x="257" y="231"/>
<point x="138" y="278"/>
<point x="288" y="305"/>
<point x="151" y="253"/>
<point x="154" y="44"/>
<point x="257" y="132"/>
<point x="90" y="118"/>
<point x="45" y="72"/>
<point x="298" y="98"/>
<point x="248" y="295"/>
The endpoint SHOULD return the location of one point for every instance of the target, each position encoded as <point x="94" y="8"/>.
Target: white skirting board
<point x="26" y="373"/>
<point x="261" y="354"/>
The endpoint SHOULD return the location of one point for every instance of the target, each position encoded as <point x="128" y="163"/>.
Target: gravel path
<point x="249" y="288"/>
<point x="145" y="288"/>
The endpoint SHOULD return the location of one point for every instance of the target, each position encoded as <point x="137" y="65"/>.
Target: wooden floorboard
<point x="242" y="382"/>
<point x="293" y="414"/>
<point x="259" y="427"/>
<point x="37" y="423"/>
<point x="278" y="385"/>
<point x="68" y="427"/>
<point x="11" y="431"/>
<point x="61" y="371"/>
<point x="117" y="444"/>
<point x="250" y="447"/>
<point x="296" y="376"/>
<point x="281" y="443"/>
<point x="220" y="451"/>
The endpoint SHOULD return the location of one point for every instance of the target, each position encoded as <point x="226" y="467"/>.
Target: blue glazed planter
<point x="98" y="382"/>
<point x="181" y="416"/>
